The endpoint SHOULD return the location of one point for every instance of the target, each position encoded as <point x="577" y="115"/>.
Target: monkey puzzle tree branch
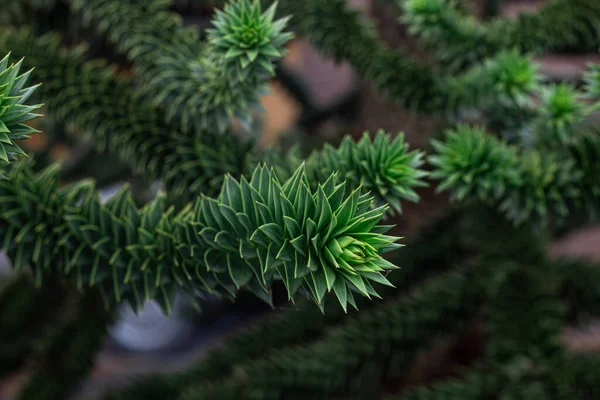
<point x="254" y="232"/>
<point x="202" y="85"/>
<point x="460" y="40"/>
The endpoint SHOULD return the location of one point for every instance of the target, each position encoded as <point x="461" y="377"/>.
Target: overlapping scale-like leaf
<point x="245" y="35"/>
<point x="255" y="232"/>
<point x="13" y="110"/>
<point x="314" y="240"/>
<point x="382" y="165"/>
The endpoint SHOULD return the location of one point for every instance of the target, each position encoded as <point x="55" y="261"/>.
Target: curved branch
<point x="202" y="85"/>
<point x="461" y="40"/>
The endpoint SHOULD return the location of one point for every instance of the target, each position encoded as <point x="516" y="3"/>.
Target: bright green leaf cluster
<point x="561" y="109"/>
<point x="474" y="164"/>
<point x="13" y="110"/>
<point x="508" y="79"/>
<point x="255" y="232"/>
<point x="318" y="240"/>
<point x="523" y="185"/>
<point x="247" y="36"/>
<point x="382" y="165"/>
<point x="233" y="69"/>
<point x="514" y="76"/>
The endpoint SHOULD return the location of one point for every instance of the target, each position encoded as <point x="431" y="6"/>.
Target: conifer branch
<point x="523" y="185"/>
<point x="339" y="33"/>
<point x="335" y="29"/>
<point x="461" y="40"/>
<point x="380" y="164"/>
<point x="395" y="333"/>
<point x="110" y="110"/>
<point x="255" y="231"/>
<point x="561" y="112"/>
<point x="201" y="85"/>
<point x="536" y="338"/>
<point x="504" y="78"/>
<point x="120" y="120"/>
<point x="431" y="250"/>
<point x="342" y="34"/>
<point x="508" y="79"/>
<point x="475" y="384"/>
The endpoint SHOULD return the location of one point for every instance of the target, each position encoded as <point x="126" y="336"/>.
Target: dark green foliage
<point x="584" y="372"/>
<point x="121" y="121"/>
<point x="77" y="341"/>
<point x="390" y="336"/>
<point x="340" y="33"/>
<point x="475" y="385"/>
<point x="535" y="339"/>
<point x="524" y="358"/>
<point x="585" y="152"/>
<point x="581" y="297"/>
<point x="22" y="322"/>
<point x="460" y="40"/>
<point x="337" y="30"/>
